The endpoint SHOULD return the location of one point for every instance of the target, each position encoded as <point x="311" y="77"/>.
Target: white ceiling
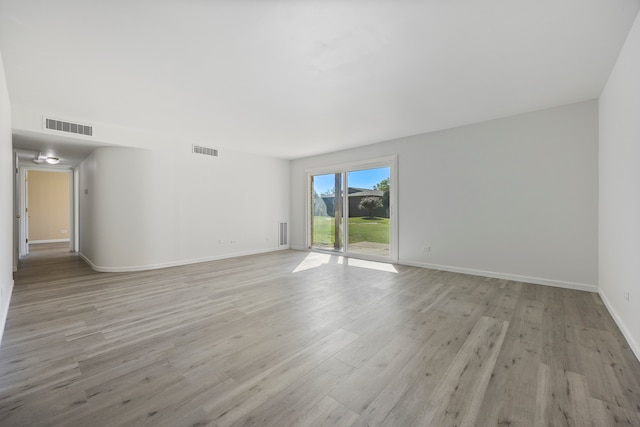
<point x="297" y="78"/>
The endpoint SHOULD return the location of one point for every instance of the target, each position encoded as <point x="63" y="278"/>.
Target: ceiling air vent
<point x="62" y="126"/>
<point x="206" y="151"/>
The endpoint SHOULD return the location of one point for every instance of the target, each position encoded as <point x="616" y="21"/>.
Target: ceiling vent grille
<point x="206" y="151"/>
<point x="62" y="126"/>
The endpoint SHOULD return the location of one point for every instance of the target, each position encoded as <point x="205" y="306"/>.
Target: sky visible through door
<point x="364" y="179"/>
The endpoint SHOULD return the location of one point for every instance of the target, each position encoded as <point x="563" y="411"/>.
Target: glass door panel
<point x="368" y="211"/>
<point x="327" y="213"/>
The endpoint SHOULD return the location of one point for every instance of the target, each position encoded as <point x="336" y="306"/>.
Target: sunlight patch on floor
<point x="314" y="260"/>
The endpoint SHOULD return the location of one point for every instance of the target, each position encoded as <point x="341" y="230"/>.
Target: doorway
<point x="46" y="208"/>
<point x="351" y="210"/>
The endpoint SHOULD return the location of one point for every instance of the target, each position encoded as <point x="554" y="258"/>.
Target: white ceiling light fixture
<point x="40" y="159"/>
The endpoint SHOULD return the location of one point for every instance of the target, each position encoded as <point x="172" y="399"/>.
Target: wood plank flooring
<point x="305" y="339"/>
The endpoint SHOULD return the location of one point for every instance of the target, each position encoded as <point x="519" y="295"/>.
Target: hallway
<point x="50" y="260"/>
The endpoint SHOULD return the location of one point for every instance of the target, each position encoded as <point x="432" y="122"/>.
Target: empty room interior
<point x="320" y="213"/>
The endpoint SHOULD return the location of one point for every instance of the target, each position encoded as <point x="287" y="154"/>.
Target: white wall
<point x="112" y="202"/>
<point x="620" y="190"/>
<point x="6" y="200"/>
<point x="166" y="206"/>
<point x="514" y="198"/>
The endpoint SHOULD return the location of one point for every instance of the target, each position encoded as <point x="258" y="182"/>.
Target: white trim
<point x="352" y="166"/>
<point x="75" y="243"/>
<point x="173" y="263"/>
<point x="635" y="347"/>
<point x="16" y="212"/>
<point x="4" y="311"/>
<point x="506" y="276"/>
<point x="61" y="169"/>
<point x="48" y="241"/>
<point x="23" y="246"/>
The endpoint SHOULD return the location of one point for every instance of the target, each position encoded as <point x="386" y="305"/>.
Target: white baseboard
<point x="513" y="277"/>
<point x="632" y="343"/>
<point x="174" y="263"/>
<point x="493" y="274"/>
<point x="4" y="311"/>
<point x="49" y="241"/>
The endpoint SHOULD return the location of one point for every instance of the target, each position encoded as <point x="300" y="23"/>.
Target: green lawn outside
<point x="361" y="229"/>
<point x="323" y="231"/>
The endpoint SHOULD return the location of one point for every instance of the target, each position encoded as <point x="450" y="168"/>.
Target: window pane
<point x="368" y="196"/>
<point x="326" y="217"/>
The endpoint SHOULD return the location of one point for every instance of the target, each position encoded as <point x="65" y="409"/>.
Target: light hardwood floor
<point x="296" y="338"/>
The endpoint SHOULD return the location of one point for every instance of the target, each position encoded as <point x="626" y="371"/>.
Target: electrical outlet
<point x="626" y="296"/>
<point x="427" y="248"/>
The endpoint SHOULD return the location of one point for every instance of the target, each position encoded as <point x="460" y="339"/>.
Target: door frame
<point x="388" y="161"/>
<point x="23" y="200"/>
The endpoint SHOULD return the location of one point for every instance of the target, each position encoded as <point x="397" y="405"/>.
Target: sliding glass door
<point x="350" y="211"/>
